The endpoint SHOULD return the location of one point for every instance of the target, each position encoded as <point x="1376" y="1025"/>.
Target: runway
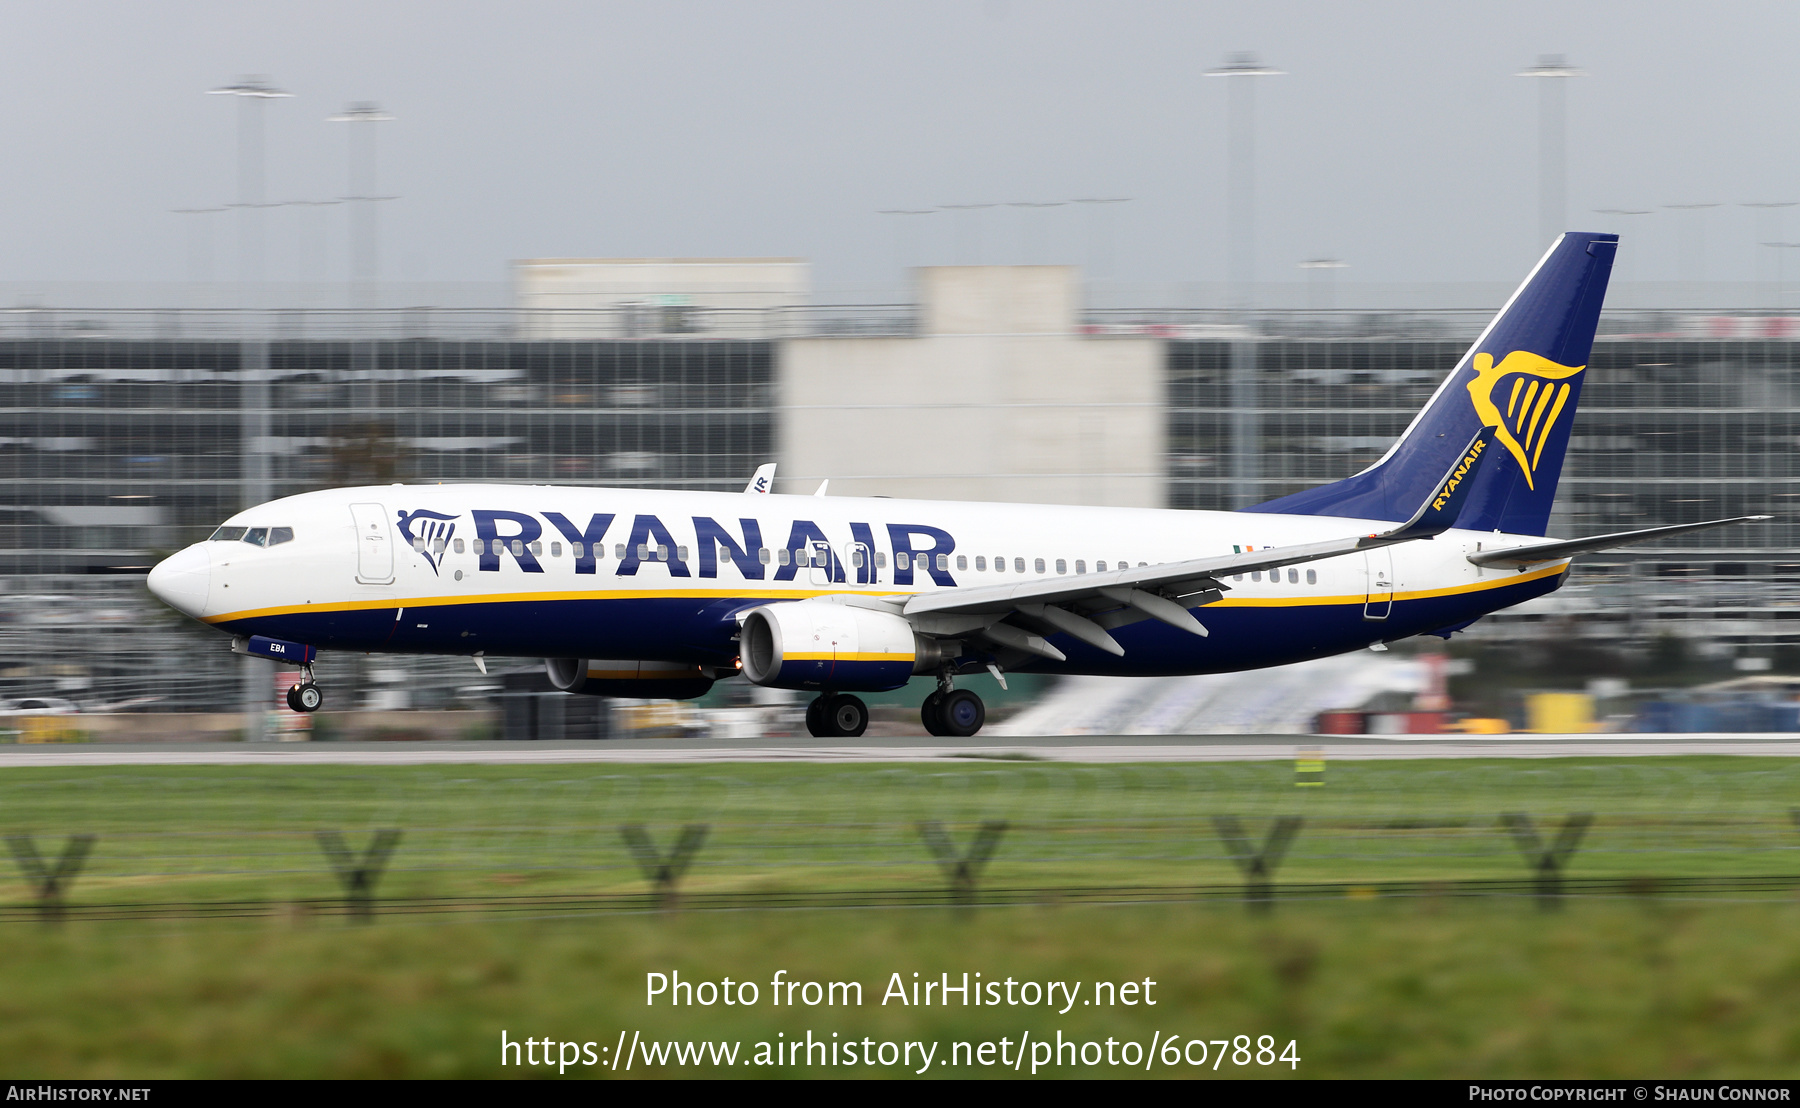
<point x="1084" y="748"/>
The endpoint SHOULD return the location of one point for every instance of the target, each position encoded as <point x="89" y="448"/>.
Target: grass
<point x="247" y="833"/>
<point x="1432" y="986"/>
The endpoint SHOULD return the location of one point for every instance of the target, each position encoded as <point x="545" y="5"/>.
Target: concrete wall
<point x="600" y="298"/>
<point x="997" y="397"/>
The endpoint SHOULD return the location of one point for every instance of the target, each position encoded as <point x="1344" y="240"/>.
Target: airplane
<point x="659" y="594"/>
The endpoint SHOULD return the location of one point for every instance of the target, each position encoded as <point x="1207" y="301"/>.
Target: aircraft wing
<point x="1555" y="551"/>
<point x="1086" y="606"/>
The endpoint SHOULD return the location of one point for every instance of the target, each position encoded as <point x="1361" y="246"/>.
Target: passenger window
<point x="1312" y="577"/>
<point x="1256" y="575"/>
<point x="1237" y="577"/>
<point x="458" y="546"/>
<point x="902" y="560"/>
<point x="943" y="561"/>
<point x="518" y="548"/>
<point x="576" y="549"/>
<point x="881" y="559"/>
<point x="999" y="565"/>
<point x="981" y="563"/>
<point x="619" y="551"/>
<point x="537" y="548"/>
<point x="418" y="544"/>
<point x="1080" y="566"/>
<point x="962" y="561"/>
<point x="800" y="558"/>
<point x="1062" y="566"/>
<point x="643" y="552"/>
<point x="1099" y="567"/>
<point x="227" y="534"/>
<point x="1019" y="565"/>
<point x="681" y="553"/>
<point x="556" y="550"/>
<point x="782" y="557"/>
<point x="763" y="555"/>
<point x="1293" y="577"/>
<point x="856" y="557"/>
<point x="1038" y="564"/>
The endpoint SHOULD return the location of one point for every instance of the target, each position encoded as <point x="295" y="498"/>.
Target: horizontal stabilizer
<point x="1556" y="551"/>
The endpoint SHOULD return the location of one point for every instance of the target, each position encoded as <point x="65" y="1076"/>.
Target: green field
<point x="1431" y="984"/>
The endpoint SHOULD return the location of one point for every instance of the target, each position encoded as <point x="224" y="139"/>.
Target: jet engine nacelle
<point x="636" y="680"/>
<point x="815" y="644"/>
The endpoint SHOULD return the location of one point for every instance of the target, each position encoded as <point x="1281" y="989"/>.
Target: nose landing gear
<point x="836" y="716"/>
<point x="305" y="697"/>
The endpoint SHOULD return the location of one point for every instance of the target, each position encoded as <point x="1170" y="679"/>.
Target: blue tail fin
<point x="1523" y="376"/>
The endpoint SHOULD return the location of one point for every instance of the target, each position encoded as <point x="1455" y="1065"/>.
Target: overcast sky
<point x="1399" y="140"/>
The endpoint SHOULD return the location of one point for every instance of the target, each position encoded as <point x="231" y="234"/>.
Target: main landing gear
<point x="837" y="716"/>
<point x="952" y="711"/>
<point x="305" y="697"/>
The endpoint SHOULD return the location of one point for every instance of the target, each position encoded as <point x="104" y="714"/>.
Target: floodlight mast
<point x="1552" y="146"/>
<point x="251" y="92"/>
<point x="1241" y="171"/>
<point x="364" y="238"/>
<point x="1246" y="430"/>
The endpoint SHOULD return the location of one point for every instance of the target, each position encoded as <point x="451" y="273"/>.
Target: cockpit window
<point x="255" y="536"/>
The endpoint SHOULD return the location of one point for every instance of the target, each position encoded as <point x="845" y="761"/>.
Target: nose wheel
<point x="837" y="716"/>
<point x="959" y="713"/>
<point x="305" y="698"/>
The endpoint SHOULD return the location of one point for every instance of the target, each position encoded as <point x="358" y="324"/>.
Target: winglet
<point x="763" y="480"/>
<point x="1438" y="513"/>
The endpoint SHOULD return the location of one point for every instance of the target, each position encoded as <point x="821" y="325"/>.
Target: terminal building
<point x="125" y="435"/>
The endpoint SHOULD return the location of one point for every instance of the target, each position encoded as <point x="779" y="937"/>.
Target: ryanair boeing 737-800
<point x="641" y="593"/>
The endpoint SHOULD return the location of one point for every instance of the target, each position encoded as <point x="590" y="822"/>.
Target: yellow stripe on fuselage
<point x="741" y="594"/>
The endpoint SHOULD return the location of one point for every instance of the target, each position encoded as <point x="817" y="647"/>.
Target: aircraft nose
<point x="182" y="579"/>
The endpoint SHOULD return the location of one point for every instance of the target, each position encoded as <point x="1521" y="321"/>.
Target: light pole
<point x="1319" y="274"/>
<point x="1246" y="445"/>
<point x="253" y="351"/>
<point x="1693" y="241"/>
<point x="365" y="261"/>
<point x="251" y="92"/>
<point x="1552" y="70"/>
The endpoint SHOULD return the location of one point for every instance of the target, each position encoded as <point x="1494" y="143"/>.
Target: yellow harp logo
<point x="1532" y="402"/>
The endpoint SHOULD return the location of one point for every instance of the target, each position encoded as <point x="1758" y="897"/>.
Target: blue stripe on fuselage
<point x="701" y="630"/>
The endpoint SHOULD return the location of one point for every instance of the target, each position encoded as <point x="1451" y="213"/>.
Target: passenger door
<point x="374" y="544"/>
